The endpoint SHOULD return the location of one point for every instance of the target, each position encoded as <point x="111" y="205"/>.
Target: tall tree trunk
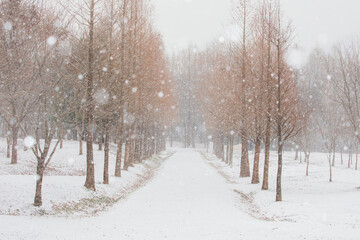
<point x="218" y="146"/>
<point x="107" y="119"/>
<point x="90" y="171"/>
<point x="193" y="145"/>
<point x="39" y="179"/>
<point x="137" y="150"/>
<point x="14" y="147"/>
<point x="131" y="152"/>
<point x="140" y="144"/>
<point x="60" y="134"/>
<point x="127" y="152"/>
<point x="231" y="150"/>
<point x="100" y="137"/>
<point x="146" y="144"/>
<point x="279" y="172"/>
<point x="137" y="144"/>
<point x="8" y="143"/>
<point x="307" y="156"/>
<point x="81" y="133"/>
<point x="106" y="151"/>
<point x="153" y="144"/>
<point x="265" y="185"/>
<point x="255" y="176"/>
<point x="357" y="155"/>
<point x="341" y="157"/>
<point x="244" y="166"/>
<point x="227" y="149"/>
<point x="119" y="143"/>
<point x="222" y="148"/>
<point x="297" y="154"/>
<point x="80" y="145"/>
<point x="149" y="144"/>
<point x="269" y="93"/>
<point x="279" y="122"/>
<point x="158" y="141"/>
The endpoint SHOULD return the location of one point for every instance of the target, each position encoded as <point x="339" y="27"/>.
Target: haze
<point x="316" y="22"/>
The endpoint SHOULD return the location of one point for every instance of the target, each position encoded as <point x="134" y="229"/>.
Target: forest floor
<point x="195" y="196"/>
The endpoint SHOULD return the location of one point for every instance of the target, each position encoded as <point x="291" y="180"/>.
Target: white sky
<point x="201" y="21"/>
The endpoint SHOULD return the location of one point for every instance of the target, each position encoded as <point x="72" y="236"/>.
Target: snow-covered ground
<point x="307" y="200"/>
<point x="195" y="196"/>
<point x="63" y="192"/>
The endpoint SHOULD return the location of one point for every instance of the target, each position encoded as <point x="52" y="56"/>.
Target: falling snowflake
<point x="296" y="58"/>
<point x="29" y="142"/>
<point x="221" y="39"/>
<point x="37" y="177"/>
<point x="51" y="40"/>
<point x="7" y="26"/>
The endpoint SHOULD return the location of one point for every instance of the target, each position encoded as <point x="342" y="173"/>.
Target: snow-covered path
<point x="187" y="200"/>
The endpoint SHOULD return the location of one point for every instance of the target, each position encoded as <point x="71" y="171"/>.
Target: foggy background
<point x="316" y="22"/>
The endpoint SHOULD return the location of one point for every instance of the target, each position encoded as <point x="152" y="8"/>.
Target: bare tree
<point x="288" y="114"/>
<point x="18" y="71"/>
<point x="49" y="114"/>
